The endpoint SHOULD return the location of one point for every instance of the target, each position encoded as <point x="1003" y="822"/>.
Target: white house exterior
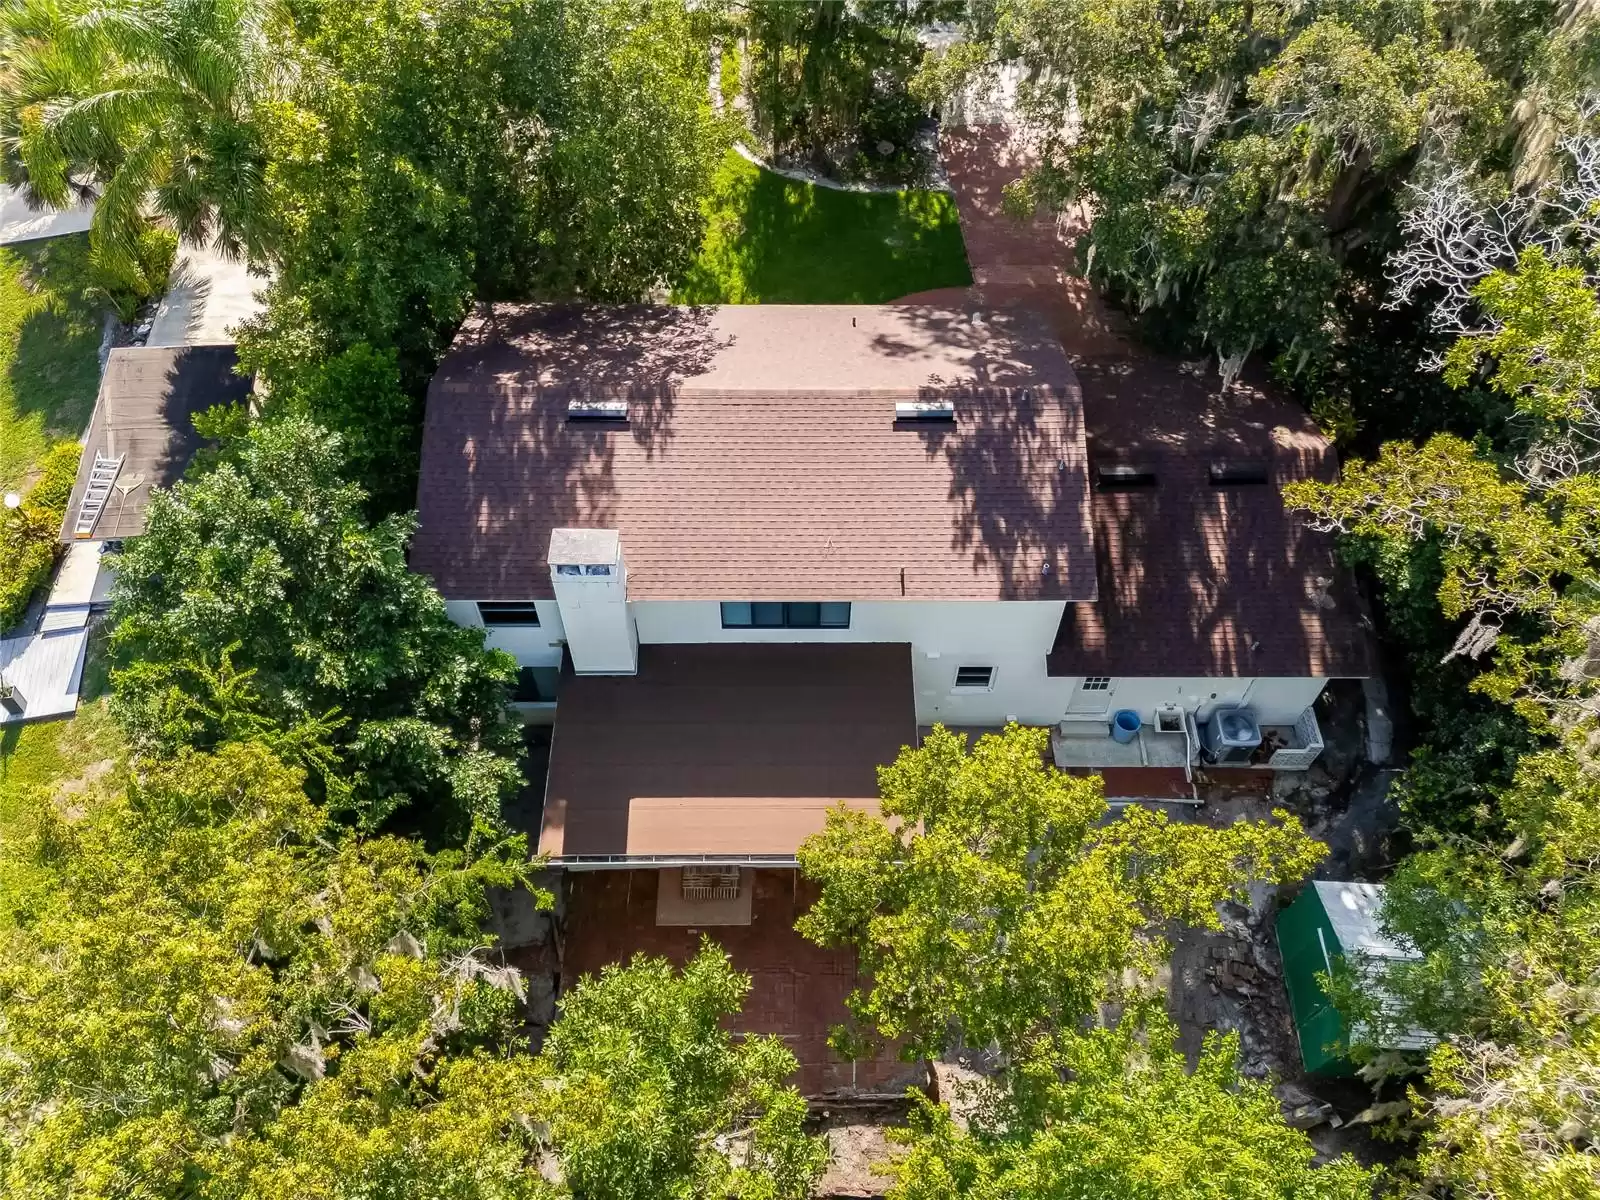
<point x="1011" y="639"/>
<point x="607" y="489"/>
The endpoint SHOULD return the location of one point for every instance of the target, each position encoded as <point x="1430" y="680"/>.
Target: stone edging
<point x="801" y="176"/>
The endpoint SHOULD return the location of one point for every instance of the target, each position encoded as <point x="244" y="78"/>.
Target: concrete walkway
<point x="19" y="223"/>
<point x="208" y="297"/>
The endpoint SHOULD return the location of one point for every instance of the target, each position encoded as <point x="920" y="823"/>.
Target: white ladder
<point x="101" y="477"/>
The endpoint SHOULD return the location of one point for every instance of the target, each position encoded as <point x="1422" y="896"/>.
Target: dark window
<point x="771" y="614"/>
<point x="508" y="614"/>
<point x="1238" y="474"/>
<point x="536" y="685"/>
<point x="1122" y="477"/>
<point x="1097" y="683"/>
<point x="974" y="677"/>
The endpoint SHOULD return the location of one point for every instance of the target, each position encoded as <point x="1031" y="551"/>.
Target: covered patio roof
<point x="729" y="753"/>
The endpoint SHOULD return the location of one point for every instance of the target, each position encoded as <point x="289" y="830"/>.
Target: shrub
<point x="127" y="286"/>
<point x="28" y="533"/>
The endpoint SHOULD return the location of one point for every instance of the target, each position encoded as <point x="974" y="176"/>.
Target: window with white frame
<point x="974" y="679"/>
<point x="1097" y="683"/>
<point x="508" y="613"/>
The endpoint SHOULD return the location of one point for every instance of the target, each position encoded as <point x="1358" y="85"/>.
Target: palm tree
<point x="148" y="106"/>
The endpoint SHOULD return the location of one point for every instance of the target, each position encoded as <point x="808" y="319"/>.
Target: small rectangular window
<point x="803" y="616"/>
<point x="765" y="615"/>
<point x="568" y="569"/>
<point x="797" y="614"/>
<point x="1238" y="474"/>
<point x="508" y="614"/>
<point x="975" y="678"/>
<point x="1097" y="683"/>
<point x="835" y="614"/>
<point x="600" y="569"/>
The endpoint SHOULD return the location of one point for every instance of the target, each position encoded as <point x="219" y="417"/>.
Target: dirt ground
<point x="1231" y="980"/>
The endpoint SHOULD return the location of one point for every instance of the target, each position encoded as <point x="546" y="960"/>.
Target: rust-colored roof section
<point x="762" y="459"/>
<point x="145" y="412"/>
<point x="733" y="749"/>
<point x="1197" y="579"/>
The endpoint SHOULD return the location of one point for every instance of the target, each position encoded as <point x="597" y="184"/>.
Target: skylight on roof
<point x="1239" y="473"/>
<point x="597" y="410"/>
<point x="943" y="409"/>
<point x="1122" y="477"/>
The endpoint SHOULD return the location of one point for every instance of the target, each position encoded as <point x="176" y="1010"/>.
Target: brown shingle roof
<point x="723" y="749"/>
<point x="762" y="460"/>
<point x="1201" y="580"/>
<point x="145" y="411"/>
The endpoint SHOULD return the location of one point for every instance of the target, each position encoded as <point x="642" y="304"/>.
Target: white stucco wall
<point x="531" y="645"/>
<point x="1013" y="637"/>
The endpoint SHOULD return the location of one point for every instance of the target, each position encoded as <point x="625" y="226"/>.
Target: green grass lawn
<point x="65" y="757"/>
<point x="63" y="753"/>
<point x="776" y="241"/>
<point x="49" y="347"/>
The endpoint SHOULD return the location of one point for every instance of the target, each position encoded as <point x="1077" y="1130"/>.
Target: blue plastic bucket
<point x="1125" y="725"/>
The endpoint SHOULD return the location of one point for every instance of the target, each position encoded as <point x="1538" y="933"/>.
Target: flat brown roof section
<point x="1197" y="579"/>
<point x="723" y="749"/>
<point x="145" y="412"/>
<point x="761" y="459"/>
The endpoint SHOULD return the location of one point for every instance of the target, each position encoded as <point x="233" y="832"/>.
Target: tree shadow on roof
<point x="1199" y="577"/>
<point x="1015" y="451"/>
<point x="498" y="442"/>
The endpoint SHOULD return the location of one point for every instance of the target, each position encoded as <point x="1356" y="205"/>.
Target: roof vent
<point x="597" y="410"/>
<point x="925" y="410"/>
<point x="1238" y="474"/>
<point x="1123" y="477"/>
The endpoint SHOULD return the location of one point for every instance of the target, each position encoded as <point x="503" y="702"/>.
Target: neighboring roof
<point x="46" y="667"/>
<point x="1200" y="580"/>
<point x="77" y="576"/>
<point x="1353" y="910"/>
<point x="145" y="412"/>
<point x="734" y="749"/>
<point x="762" y="460"/>
<point x="209" y="295"/>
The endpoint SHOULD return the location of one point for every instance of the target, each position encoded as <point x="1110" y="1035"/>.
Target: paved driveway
<point x="208" y="297"/>
<point x="19" y="223"/>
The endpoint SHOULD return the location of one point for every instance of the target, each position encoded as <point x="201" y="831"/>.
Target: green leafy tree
<point x="266" y="565"/>
<point x="827" y="82"/>
<point x="1117" y="1113"/>
<point x="993" y="902"/>
<point x="430" y="154"/>
<point x="210" y="988"/>
<point x="1500" y="902"/>
<point x="650" y="1098"/>
<point x="1237" y="157"/>
<point x="143" y="102"/>
<point x="30" y="533"/>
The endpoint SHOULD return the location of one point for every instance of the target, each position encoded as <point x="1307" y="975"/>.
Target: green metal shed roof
<point x="1330" y="922"/>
